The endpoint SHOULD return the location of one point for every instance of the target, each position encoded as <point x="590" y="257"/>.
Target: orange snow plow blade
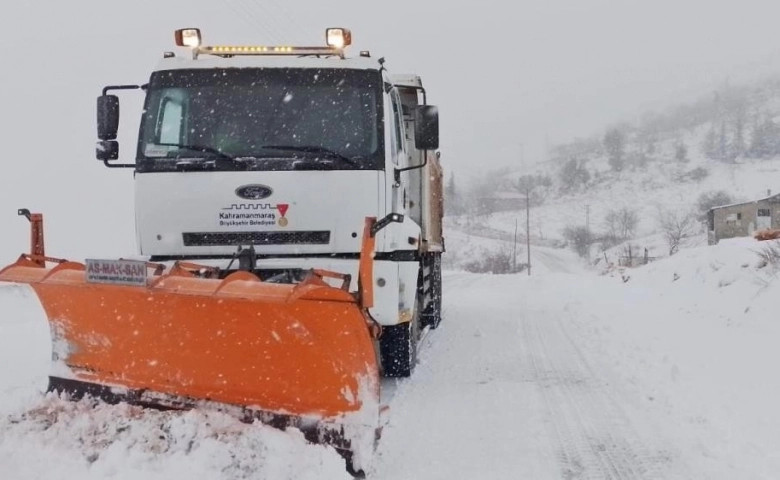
<point x="303" y="351"/>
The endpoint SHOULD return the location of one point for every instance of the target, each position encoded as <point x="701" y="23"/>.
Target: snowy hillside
<point x="668" y="162"/>
<point x="646" y="193"/>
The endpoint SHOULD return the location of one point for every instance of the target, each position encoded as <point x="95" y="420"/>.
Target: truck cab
<point x="268" y="159"/>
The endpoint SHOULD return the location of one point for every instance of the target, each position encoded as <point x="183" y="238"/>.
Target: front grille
<point x="216" y="239"/>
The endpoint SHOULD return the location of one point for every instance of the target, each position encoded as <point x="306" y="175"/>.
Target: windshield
<point x="268" y="118"/>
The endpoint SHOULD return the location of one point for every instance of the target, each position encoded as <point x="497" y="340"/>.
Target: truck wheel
<point x="398" y="347"/>
<point x="437" y="289"/>
<point x="350" y="465"/>
<point x="432" y="313"/>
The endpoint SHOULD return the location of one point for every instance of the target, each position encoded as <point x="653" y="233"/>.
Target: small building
<point x="743" y="219"/>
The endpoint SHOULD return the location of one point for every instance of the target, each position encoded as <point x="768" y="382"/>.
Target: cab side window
<point x="397" y="112"/>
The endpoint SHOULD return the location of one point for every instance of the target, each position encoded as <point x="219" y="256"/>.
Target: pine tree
<point x="450" y="189"/>
<point x="738" y="146"/>
<point x="757" y="139"/>
<point x="723" y="143"/>
<point x="615" y="144"/>
<point x="764" y="143"/>
<point x="710" y="144"/>
<point x="451" y="196"/>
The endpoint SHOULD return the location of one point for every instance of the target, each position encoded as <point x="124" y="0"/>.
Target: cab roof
<point x="267" y="61"/>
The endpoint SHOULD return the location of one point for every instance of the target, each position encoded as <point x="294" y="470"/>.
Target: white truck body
<point x="295" y="209"/>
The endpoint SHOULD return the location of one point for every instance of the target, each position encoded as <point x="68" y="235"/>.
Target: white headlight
<point x="338" y="37"/>
<point x="188" y="37"/>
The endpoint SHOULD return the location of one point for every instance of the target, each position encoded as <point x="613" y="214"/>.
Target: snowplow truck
<point x="289" y="223"/>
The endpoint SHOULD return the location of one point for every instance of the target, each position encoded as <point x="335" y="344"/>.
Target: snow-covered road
<point x="555" y="376"/>
<point x="664" y="372"/>
<point x="508" y="390"/>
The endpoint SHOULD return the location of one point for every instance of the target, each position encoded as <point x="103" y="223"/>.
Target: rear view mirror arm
<point x="120" y="87"/>
<point x="106" y="143"/>
<point x="398" y="171"/>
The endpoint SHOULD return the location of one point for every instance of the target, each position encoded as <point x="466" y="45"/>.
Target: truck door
<point x="400" y="155"/>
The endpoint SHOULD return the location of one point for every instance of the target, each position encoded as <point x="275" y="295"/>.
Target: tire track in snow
<point x="595" y="438"/>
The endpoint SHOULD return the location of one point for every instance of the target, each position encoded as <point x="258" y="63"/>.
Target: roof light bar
<point x="270" y="50"/>
<point x="337" y="40"/>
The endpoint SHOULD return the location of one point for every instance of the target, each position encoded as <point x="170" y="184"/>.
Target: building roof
<point x="771" y="197"/>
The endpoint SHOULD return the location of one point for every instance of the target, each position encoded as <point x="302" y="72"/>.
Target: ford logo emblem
<point x="254" y="192"/>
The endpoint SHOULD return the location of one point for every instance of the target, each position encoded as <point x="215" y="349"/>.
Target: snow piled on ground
<point x="663" y="371"/>
<point x="697" y="335"/>
<point x="97" y="441"/>
<point x="468" y="244"/>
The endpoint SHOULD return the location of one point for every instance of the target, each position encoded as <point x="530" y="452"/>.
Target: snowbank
<point x="696" y="334"/>
<point x="86" y="440"/>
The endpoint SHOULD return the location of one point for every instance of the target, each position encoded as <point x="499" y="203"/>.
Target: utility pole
<point x="587" y="218"/>
<point x="587" y="227"/>
<point x="527" y="212"/>
<point x="522" y="157"/>
<point x="514" y="250"/>
<point x="528" y="225"/>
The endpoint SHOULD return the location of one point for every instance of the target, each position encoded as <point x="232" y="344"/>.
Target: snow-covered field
<point x="665" y="371"/>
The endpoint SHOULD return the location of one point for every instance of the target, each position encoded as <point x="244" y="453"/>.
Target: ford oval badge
<point x="254" y="192"/>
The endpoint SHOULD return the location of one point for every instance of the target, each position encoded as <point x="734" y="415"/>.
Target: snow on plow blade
<point x="289" y="355"/>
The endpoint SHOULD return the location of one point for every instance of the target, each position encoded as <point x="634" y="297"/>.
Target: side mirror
<point x="107" y="150"/>
<point x="107" y="116"/>
<point x="426" y="127"/>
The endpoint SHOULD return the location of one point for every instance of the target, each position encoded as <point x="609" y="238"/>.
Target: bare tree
<point x="579" y="238"/>
<point x="621" y="224"/>
<point x="573" y="175"/>
<point x="708" y="200"/>
<point x="480" y="201"/>
<point x="612" y="226"/>
<point x="677" y="226"/>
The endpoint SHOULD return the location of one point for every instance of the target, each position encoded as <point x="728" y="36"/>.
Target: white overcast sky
<point x="504" y="73"/>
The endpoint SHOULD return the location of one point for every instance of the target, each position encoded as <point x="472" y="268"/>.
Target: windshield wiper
<point x="313" y="149"/>
<point x="199" y="148"/>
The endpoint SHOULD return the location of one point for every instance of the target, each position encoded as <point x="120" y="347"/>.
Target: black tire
<point x="398" y="346"/>
<point x="437" y="299"/>
<point x="432" y="314"/>
<point x="350" y="465"/>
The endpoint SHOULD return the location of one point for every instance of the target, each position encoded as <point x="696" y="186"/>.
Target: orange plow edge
<point x="298" y="355"/>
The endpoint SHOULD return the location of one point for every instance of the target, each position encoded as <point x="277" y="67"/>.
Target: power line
<point x="257" y="22"/>
<point x="291" y="19"/>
